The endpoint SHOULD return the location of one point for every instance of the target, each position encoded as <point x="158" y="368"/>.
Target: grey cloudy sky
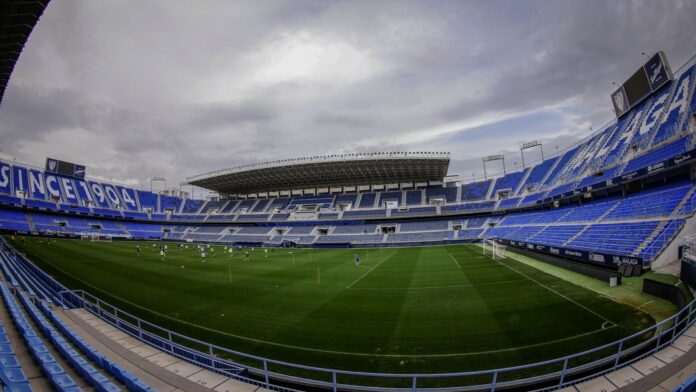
<point x="139" y="88"/>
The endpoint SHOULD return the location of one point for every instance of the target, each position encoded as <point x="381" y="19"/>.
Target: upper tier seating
<point x="414" y="198"/>
<point x="510" y="181"/>
<point x="368" y="200"/>
<point x="475" y="190"/>
<point x="653" y="203"/>
<point x="389" y="196"/>
<point x="213" y="205"/>
<point x="617" y="238"/>
<point x="449" y="194"/>
<point x="192" y="206"/>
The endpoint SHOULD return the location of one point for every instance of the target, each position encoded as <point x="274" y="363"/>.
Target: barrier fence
<point x="276" y="375"/>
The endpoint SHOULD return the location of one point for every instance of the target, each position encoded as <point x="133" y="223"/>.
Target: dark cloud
<point x="135" y="89"/>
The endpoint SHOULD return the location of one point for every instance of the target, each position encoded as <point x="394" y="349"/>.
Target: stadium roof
<point x="17" y="20"/>
<point x="340" y="170"/>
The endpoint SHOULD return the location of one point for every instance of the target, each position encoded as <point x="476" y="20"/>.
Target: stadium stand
<point x="414" y="198"/>
<point x="345" y="200"/>
<point x="367" y="200"/>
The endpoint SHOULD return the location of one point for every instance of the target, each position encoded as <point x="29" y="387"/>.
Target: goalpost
<point x="493" y="249"/>
<point x="96" y="237"/>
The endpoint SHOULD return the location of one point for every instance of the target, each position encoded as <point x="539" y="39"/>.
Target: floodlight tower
<point x="158" y="179"/>
<point x="528" y="145"/>
<point x="490" y="158"/>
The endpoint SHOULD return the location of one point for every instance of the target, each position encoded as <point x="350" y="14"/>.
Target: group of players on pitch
<point x="203" y="249"/>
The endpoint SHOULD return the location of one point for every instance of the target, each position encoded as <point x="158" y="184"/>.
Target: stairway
<point x="120" y="226"/>
<point x="30" y="221"/>
<point x="490" y="188"/>
<point x="357" y="201"/>
<point x="519" y="186"/>
<point x="650" y="238"/>
<point x="576" y="235"/>
<point x="679" y="209"/>
<point x="598" y="220"/>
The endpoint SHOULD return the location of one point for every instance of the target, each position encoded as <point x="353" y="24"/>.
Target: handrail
<point x="662" y="334"/>
<point x="681" y="214"/>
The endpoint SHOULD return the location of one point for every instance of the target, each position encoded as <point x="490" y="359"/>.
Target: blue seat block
<point x="13" y="375"/>
<point x="8" y="361"/>
<point x="107" y="387"/>
<point x="62" y="381"/>
<point x="122" y="375"/>
<point x="140" y="386"/>
<point x="70" y="353"/>
<point x="52" y="369"/>
<point x="44" y="357"/>
<point x="95" y="357"/>
<point x="21" y="387"/>
<point x="6" y="349"/>
<point x="38" y="349"/>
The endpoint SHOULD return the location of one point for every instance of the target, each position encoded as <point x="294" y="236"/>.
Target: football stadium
<point x="361" y="271"/>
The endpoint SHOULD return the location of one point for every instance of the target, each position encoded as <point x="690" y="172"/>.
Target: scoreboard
<point x="643" y="83"/>
<point x="63" y="168"/>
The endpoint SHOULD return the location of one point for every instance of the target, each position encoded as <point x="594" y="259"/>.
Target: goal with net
<point x="493" y="249"/>
<point x="96" y="237"/>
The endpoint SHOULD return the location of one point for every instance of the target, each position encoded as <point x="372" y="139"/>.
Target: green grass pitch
<point x="422" y="309"/>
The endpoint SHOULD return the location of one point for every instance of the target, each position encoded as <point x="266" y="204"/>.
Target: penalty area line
<point x="370" y="270"/>
<point x="455" y="260"/>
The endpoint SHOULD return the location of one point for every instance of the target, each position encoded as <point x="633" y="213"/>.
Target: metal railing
<point x="557" y="372"/>
<point x="267" y="372"/>
<point x="660" y="242"/>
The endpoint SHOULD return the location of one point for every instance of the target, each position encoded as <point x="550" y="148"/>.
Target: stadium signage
<point x="619" y="260"/>
<point x="656" y="166"/>
<point x="677" y="160"/>
<point x="596" y="257"/>
<point x="578" y="255"/>
<point x="644" y="82"/>
<point x="63" y="168"/>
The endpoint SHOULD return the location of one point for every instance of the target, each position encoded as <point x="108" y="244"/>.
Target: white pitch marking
<point x="554" y="291"/>
<point x="455" y="260"/>
<point x="370" y="270"/>
<point x="441" y="287"/>
<point x="332" y="351"/>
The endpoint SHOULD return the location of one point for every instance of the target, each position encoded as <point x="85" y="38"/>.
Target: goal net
<point x="493" y="249"/>
<point x="94" y="237"/>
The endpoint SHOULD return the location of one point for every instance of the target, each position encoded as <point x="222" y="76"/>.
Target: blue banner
<point x="99" y="195"/>
<point x="37" y="190"/>
<point x="69" y="191"/>
<point x="20" y="180"/>
<point x="112" y="195"/>
<point x="83" y="192"/>
<point x="128" y="197"/>
<point x="5" y="178"/>
<point x="53" y="186"/>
